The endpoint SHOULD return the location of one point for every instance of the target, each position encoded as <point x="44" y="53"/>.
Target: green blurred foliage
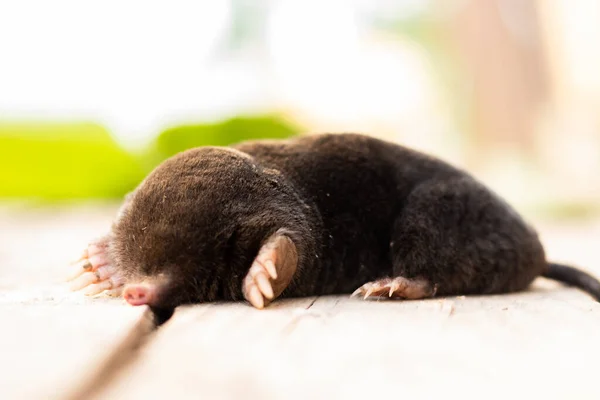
<point x="224" y="133"/>
<point x="65" y="161"/>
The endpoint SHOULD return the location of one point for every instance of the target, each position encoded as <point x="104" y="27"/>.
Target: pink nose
<point x="138" y="295"/>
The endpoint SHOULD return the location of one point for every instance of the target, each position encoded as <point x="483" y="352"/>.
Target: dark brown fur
<point x="358" y="209"/>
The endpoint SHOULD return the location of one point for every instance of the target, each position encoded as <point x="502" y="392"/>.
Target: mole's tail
<point x="574" y="277"/>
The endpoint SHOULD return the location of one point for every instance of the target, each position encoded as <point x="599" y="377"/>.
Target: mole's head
<point x="193" y="227"/>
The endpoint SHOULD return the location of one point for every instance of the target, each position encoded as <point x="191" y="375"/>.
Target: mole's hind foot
<point x="271" y="272"/>
<point x="93" y="272"/>
<point x="399" y="287"/>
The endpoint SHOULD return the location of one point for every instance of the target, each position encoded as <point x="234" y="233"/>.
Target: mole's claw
<point x="83" y="280"/>
<point x="98" y="287"/>
<point x="93" y="271"/>
<point x="97" y="260"/>
<point x="78" y="268"/>
<point x="115" y="292"/>
<point x="270" y="267"/>
<point x="366" y="290"/>
<point x="254" y="297"/>
<point x="264" y="285"/>
<point x="271" y="271"/>
<point x="103" y="272"/>
<point x="398" y="287"/>
<point x="251" y="291"/>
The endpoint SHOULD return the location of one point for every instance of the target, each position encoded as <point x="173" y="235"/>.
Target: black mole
<point x="314" y="215"/>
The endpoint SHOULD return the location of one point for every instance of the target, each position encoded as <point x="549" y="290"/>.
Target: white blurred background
<point x="508" y="89"/>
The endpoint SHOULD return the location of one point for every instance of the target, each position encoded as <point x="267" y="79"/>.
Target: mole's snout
<point x="139" y="294"/>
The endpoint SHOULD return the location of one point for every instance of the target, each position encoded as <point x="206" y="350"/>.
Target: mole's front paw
<point x="94" y="273"/>
<point x="397" y="288"/>
<point x="271" y="272"/>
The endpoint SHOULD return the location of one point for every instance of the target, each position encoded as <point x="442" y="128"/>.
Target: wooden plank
<point x="214" y="351"/>
<point x="541" y="343"/>
<point x="48" y="348"/>
<point x="52" y="340"/>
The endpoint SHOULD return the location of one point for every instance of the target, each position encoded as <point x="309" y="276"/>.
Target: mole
<point x="317" y="214"/>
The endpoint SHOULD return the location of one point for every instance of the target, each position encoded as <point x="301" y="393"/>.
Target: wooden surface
<point x="55" y="344"/>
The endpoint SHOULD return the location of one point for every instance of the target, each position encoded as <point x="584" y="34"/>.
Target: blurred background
<point x="94" y="94"/>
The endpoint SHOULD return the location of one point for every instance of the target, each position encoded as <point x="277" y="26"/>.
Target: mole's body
<point x="320" y="214"/>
